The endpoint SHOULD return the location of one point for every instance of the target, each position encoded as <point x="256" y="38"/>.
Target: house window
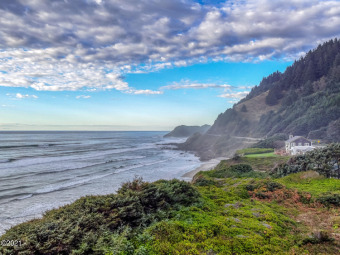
<point x="300" y="144"/>
<point x="306" y="144"/>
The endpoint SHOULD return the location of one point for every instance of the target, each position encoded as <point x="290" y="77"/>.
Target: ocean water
<point x="40" y="171"/>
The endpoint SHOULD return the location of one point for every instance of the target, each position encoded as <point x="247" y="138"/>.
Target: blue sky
<point x="118" y="65"/>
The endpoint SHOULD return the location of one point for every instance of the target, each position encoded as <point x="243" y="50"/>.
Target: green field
<point x="261" y="155"/>
<point x="259" y="163"/>
<point x="248" y="151"/>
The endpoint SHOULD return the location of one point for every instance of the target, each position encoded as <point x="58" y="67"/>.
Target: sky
<point x="147" y="64"/>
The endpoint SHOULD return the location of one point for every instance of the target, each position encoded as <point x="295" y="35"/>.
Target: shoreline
<point x="205" y="166"/>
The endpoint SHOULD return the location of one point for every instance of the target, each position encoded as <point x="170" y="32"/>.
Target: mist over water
<point x="40" y="171"/>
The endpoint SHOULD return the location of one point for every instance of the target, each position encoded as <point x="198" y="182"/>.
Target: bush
<point x="241" y="168"/>
<point x="250" y="187"/>
<point x="272" y="186"/>
<point x="329" y="199"/>
<point x="202" y="181"/>
<point x="238" y="170"/>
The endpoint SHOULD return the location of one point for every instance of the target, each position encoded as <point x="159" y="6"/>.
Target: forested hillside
<point x="304" y="100"/>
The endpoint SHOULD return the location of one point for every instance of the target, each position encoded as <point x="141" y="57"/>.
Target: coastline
<point x="205" y="166"/>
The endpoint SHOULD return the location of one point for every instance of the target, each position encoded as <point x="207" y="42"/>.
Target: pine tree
<point x="244" y="108"/>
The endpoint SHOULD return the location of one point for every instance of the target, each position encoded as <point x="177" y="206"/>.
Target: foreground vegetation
<point x="229" y="210"/>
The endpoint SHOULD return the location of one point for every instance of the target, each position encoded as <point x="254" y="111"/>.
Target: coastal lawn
<point x="262" y="155"/>
<point x="249" y="151"/>
<point x="244" y="212"/>
<point x="258" y="162"/>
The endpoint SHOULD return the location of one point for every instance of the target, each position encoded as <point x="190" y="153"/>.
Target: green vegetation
<point x="226" y="222"/>
<point x="307" y="94"/>
<point x="249" y="151"/>
<point x="229" y="210"/>
<point x="311" y="182"/>
<point x="262" y="155"/>
<point x="258" y="163"/>
<point x="238" y="171"/>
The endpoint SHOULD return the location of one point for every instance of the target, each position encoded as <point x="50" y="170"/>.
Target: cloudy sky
<point x="146" y="64"/>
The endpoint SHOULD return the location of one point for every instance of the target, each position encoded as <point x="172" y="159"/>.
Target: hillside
<point x="304" y="100"/>
<point x="186" y="131"/>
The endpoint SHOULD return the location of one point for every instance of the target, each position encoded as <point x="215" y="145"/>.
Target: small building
<point x="298" y="145"/>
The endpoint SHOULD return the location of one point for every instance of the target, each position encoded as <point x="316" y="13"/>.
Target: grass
<point x="249" y="151"/>
<point x="262" y="155"/>
<point x="263" y="164"/>
<point x="315" y="184"/>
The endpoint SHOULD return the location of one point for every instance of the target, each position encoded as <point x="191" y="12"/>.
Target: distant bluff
<point x="186" y="131"/>
<point x="304" y="100"/>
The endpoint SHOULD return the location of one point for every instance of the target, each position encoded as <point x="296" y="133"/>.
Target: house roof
<point x="295" y="138"/>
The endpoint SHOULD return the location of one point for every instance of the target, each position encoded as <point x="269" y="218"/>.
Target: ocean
<point x="40" y="171"/>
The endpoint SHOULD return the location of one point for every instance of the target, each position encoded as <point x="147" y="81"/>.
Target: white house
<point x="298" y="145"/>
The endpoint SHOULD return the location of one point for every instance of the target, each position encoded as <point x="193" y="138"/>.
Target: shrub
<point x="329" y="199"/>
<point x="272" y="186"/>
<point x="250" y="187"/>
<point x="236" y="171"/>
<point x="241" y="168"/>
<point x="202" y="181"/>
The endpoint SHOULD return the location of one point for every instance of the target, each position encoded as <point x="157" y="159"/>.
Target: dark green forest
<point x="308" y="93"/>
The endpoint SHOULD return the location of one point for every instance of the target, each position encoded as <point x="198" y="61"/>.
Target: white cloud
<point x="100" y="41"/>
<point x="83" y="96"/>
<point x="236" y="95"/>
<point x="143" y="92"/>
<point x="21" y="96"/>
<point x="186" y="84"/>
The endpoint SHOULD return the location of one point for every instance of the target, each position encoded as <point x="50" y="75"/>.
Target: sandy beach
<point x="205" y="166"/>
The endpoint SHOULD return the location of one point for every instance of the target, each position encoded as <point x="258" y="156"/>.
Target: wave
<point x="31" y="174"/>
<point x="123" y="169"/>
<point x="28" y="161"/>
<point x="15" y="188"/>
<point x="11" y="198"/>
<point x="7" y="160"/>
<point x="27" y="146"/>
<point x="84" y="181"/>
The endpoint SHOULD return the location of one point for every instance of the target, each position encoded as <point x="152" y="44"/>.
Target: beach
<point x="205" y="166"/>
